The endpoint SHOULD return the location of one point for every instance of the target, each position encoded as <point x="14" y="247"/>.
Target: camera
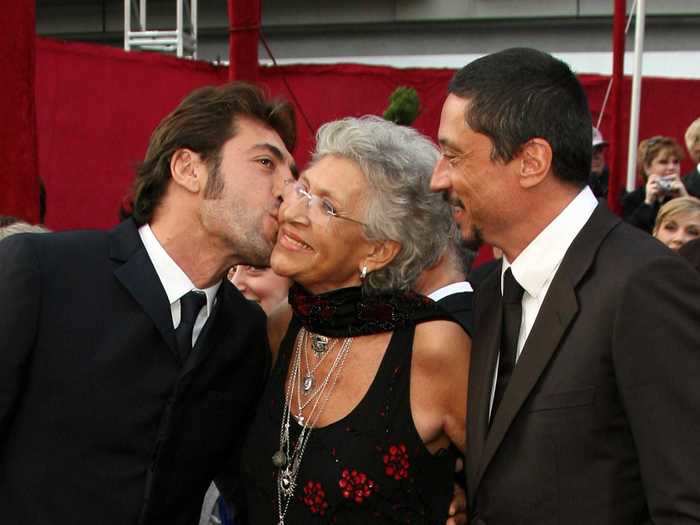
<point x="665" y="184"/>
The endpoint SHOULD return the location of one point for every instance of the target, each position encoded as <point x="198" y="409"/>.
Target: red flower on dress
<point x="396" y="463"/>
<point x="315" y="497"/>
<point x="356" y="485"/>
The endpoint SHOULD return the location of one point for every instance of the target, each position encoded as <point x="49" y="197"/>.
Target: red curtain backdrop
<point x="96" y="108"/>
<point x="19" y="195"/>
<point x="244" y="33"/>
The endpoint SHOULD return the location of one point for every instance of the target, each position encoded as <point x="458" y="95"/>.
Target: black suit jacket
<point x="459" y="306"/>
<point x="100" y="421"/>
<point x="600" y="422"/>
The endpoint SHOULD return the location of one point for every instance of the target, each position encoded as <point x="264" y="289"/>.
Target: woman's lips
<point x="292" y="242"/>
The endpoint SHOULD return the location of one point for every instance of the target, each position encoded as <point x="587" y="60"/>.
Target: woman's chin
<point x="280" y="264"/>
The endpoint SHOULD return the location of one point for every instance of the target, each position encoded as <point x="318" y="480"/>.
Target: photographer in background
<point x="659" y="166"/>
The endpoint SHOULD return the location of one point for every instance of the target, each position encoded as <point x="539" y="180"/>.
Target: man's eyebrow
<point x="274" y="150"/>
<point x="447" y="143"/>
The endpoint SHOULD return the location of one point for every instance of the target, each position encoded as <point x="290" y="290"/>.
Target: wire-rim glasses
<point x="322" y="210"/>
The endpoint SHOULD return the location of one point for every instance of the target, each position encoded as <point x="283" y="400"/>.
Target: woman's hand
<point x="653" y="190"/>
<point x="677" y="186"/>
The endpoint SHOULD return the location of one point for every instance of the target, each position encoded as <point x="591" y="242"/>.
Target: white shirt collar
<point x="174" y="280"/>
<point x="538" y="262"/>
<point x="440" y="293"/>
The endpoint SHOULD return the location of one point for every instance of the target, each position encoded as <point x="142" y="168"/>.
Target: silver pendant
<point x="279" y="459"/>
<point x="308" y="383"/>
<point x="286" y="485"/>
<point x="319" y="344"/>
<point x="300" y="419"/>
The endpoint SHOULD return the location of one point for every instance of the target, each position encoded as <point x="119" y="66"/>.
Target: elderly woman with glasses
<point x="659" y="167"/>
<point x="364" y="411"/>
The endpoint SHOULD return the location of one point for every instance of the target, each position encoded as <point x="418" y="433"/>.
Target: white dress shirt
<point x="440" y="293"/>
<point x="538" y="263"/>
<point x="175" y="282"/>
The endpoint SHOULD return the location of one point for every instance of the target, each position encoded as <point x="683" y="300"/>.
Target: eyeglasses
<point x="319" y="210"/>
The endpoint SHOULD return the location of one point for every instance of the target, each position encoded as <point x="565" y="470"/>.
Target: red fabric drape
<point x="96" y="108"/>
<point x="617" y="156"/>
<point x="18" y="177"/>
<point x="244" y="30"/>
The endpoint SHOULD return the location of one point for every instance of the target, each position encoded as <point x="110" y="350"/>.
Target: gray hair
<point x="20" y="227"/>
<point x="397" y="162"/>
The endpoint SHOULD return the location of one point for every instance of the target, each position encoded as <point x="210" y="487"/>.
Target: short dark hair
<point x="203" y="122"/>
<point x="519" y="94"/>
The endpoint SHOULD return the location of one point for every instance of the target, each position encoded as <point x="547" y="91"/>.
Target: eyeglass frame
<point x="328" y="209"/>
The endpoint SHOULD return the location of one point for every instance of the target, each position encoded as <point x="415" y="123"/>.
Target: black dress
<point x="370" y="467"/>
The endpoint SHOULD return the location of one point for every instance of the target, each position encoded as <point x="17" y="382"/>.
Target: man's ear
<point x="381" y="254"/>
<point x="188" y="170"/>
<point x="535" y="162"/>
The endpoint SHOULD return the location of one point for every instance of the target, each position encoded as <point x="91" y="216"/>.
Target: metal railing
<point x="181" y="41"/>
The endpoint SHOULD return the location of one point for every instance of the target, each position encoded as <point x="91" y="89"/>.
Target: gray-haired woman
<point x="365" y="407"/>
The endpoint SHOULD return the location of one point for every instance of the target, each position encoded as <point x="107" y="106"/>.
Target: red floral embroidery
<point x="356" y="485"/>
<point x="396" y="462"/>
<point x="315" y="497"/>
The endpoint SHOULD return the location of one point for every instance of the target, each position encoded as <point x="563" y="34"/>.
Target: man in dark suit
<point x="129" y="366"/>
<point x="583" y="399"/>
<point x="445" y="282"/>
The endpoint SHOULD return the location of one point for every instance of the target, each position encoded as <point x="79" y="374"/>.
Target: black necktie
<point x="510" y="328"/>
<point x="190" y="305"/>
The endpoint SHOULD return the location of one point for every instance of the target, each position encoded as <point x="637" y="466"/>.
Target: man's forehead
<point x="453" y="125"/>
<point x="258" y="132"/>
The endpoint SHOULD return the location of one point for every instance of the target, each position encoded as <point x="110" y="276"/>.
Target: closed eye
<point x="328" y="207"/>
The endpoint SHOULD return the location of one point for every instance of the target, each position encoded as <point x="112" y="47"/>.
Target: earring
<point x="363" y="273"/>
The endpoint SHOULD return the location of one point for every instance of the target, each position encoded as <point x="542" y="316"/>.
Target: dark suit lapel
<point x="139" y="277"/>
<point x="558" y="310"/>
<point x="484" y="352"/>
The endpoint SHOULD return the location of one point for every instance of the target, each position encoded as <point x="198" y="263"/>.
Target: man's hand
<point x="457" y="513"/>
<point x="458" y="508"/>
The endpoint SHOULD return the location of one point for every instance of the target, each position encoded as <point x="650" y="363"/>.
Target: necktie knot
<point x="512" y="291"/>
<point x="190" y="305"/>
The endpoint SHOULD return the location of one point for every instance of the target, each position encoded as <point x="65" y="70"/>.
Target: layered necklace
<point x="330" y="320"/>
<point x="288" y="458"/>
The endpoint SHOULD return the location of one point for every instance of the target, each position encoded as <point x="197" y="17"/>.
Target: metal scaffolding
<point x="182" y="41"/>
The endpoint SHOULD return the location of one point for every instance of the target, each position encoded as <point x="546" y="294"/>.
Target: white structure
<point x="182" y="40"/>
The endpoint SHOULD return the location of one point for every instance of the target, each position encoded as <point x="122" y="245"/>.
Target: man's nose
<point x="439" y="179"/>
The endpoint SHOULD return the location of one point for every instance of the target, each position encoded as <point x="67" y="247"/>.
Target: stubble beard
<point x="255" y="248"/>
<point x="247" y="237"/>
